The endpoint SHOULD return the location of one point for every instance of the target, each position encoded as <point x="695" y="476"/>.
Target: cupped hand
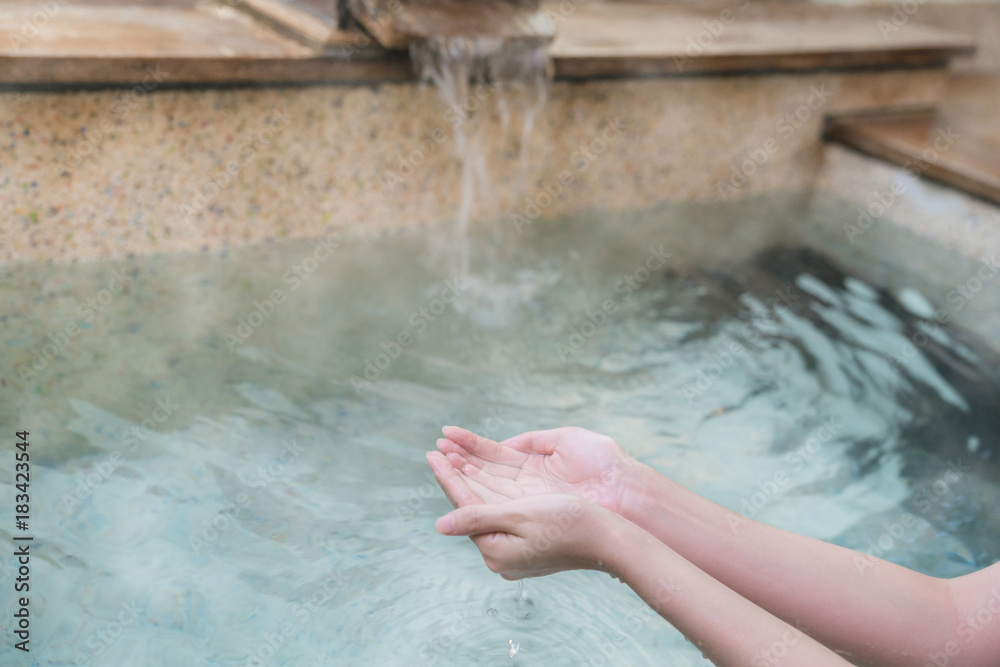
<point x="567" y="460"/>
<point x="536" y="535"/>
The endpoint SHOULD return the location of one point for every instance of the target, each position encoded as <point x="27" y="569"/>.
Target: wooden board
<point x="89" y="42"/>
<point x="114" y="45"/>
<point x="314" y="23"/>
<point x="396" y="23"/>
<point x="643" y="38"/>
<point x="126" y="31"/>
<point x="965" y="158"/>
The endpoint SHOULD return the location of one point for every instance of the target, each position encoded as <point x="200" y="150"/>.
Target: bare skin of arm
<point x="872" y="611"/>
<point x="547" y="533"/>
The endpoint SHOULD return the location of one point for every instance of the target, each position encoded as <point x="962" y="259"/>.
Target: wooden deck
<point x="958" y="144"/>
<point x="102" y="43"/>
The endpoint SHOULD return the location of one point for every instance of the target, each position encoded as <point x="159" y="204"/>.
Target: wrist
<point x="637" y="499"/>
<point x="627" y="548"/>
<point x="605" y="535"/>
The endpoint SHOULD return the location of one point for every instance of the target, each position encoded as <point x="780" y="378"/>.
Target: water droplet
<point x="491" y="611"/>
<point x="520" y="591"/>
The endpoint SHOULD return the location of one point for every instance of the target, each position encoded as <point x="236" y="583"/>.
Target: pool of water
<point x="228" y="453"/>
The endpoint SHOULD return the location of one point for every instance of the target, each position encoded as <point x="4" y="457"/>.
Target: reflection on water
<point x="229" y="456"/>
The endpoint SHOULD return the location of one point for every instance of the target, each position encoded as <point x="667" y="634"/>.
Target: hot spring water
<point x="229" y="457"/>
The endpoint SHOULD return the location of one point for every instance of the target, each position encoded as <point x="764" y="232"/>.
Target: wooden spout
<point x="397" y="23"/>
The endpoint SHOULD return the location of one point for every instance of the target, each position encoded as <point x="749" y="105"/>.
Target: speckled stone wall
<point x="112" y="173"/>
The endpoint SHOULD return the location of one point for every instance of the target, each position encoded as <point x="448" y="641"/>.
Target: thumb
<point x="534" y="442"/>
<point x="477" y="519"/>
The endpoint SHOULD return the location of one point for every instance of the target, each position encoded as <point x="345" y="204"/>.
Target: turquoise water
<point x="227" y="475"/>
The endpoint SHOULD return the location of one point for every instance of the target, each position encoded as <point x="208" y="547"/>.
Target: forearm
<point x="729" y="629"/>
<point x="869" y="608"/>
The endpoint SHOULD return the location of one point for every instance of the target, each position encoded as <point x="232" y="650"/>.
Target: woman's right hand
<point x="564" y="460"/>
<point x="536" y="535"/>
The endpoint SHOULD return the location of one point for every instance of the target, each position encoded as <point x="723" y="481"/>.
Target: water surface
<point x="229" y="454"/>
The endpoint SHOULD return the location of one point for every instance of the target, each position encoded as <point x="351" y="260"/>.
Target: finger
<point x="484" y="448"/>
<point x="480" y="481"/>
<point x="452" y="482"/>
<point x="460" y="458"/>
<point x="459" y="462"/>
<point x="533" y="442"/>
<point x="482" y="485"/>
<point x="477" y="520"/>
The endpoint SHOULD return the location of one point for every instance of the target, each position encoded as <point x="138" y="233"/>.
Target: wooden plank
<point x="961" y="158"/>
<point x="396" y="23"/>
<point x="42" y="72"/>
<point x="96" y="44"/>
<point x="81" y="31"/>
<point x="315" y="24"/>
<point x="116" y="45"/>
<point x="645" y="38"/>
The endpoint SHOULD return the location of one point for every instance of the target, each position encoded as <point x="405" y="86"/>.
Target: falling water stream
<point x="464" y="70"/>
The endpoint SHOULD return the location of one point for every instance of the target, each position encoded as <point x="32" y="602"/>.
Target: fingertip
<point x="446" y="524"/>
